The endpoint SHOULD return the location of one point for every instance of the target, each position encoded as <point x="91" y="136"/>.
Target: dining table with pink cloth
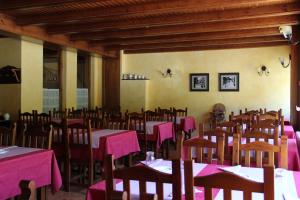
<point x="116" y="142"/>
<point x="97" y="191"/>
<point x="289" y="131"/>
<point x="187" y="123"/>
<point x="160" y="131"/>
<point x="19" y="163"/>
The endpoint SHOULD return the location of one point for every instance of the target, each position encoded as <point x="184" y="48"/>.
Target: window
<point x="51" y="79"/>
<point x="83" y="78"/>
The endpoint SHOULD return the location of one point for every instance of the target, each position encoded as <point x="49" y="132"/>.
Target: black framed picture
<point x="199" y="82"/>
<point x="229" y="82"/>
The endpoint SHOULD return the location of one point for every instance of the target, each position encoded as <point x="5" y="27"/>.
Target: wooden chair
<point x="176" y="154"/>
<point x="244" y="120"/>
<point x="43" y="118"/>
<point x="27" y="117"/>
<point x="37" y="136"/>
<point x="28" y="190"/>
<point x="228" y="182"/>
<point x="260" y="147"/>
<point x="152" y="115"/>
<point x="60" y="145"/>
<point x="117" y="123"/>
<point x="228" y="129"/>
<point x="180" y="112"/>
<point x="8" y="135"/>
<point x="270" y="130"/>
<point x="137" y="122"/>
<point x="143" y="174"/>
<point x="80" y="148"/>
<point x="200" y="144"/>
<point x="59" y="114"/>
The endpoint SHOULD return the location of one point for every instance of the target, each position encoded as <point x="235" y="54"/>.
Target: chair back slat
<point x="37" y="136"/>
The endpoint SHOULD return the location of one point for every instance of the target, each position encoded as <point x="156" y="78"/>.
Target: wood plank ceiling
<point x="138" y="26"/>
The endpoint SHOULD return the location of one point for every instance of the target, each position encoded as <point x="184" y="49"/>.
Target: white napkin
<point x="280" y="172"/>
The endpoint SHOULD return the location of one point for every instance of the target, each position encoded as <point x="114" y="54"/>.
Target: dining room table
<point x="287" y="183"/>
<point x="159" y="131"/>
<point x="20" y="163"/>
<point x="116" y="142"/>
<point x="186" y="123"/>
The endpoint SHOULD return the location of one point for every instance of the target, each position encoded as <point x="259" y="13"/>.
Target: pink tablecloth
<point x="118" y="144"/>
<point x="289" y="131"/>
<point x="293" y="155"/>
<point x="40" y="166"/>
<point x="187" y="124"/>
<point x="162" y="132"/>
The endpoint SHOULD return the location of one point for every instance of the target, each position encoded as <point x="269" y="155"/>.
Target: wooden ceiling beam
<point x="224" y="15"/>
<point x="28" y="4"/>
<point x="146" y="8"/>
<point x="193" y="28"/>
<point x="8" y="25"/>
<point x="198" y="43"/>
<point x="273" y="31"/>
<point x="202" y="48"/>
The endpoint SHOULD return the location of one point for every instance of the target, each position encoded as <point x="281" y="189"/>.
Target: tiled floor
<point x="76" y="193"/>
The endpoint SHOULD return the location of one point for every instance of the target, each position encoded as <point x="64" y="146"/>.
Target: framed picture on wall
<point x="199" y="82"/>
<point x="229" y="82"/>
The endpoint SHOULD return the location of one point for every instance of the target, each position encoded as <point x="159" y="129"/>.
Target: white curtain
<point x="50" y="99"/>
<point x="82" y="98"/>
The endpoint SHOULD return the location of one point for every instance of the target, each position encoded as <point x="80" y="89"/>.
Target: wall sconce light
<point x="282" y="62"/>
<point x="263" y="69"/>
<point x="167" y="73"/>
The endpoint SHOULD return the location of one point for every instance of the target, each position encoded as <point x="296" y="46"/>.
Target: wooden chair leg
<point x="41" y="193"/>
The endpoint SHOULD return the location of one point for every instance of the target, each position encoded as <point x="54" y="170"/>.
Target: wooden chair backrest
<point x="143" y="174"/>
<point x="228" y="182"/>
<point x="44" y="118"/>
<point x="264" y="127"/>
<point x="180" y="112"/>
<point x="259" y="147"/>
<point x="243" y="119"/>
<point x="199" y="144"/>
<point x="60" y="137"/>
<point x="228" y="129"/>
<point x="27" y="117"/>
<point x="153" y="116"/>
<point x="137" y="122"/>
<point x="28" y="190"/>
<point x="117" y="123"/>
<point x="8" y="135"/>
<point x="37" y="136"/>
<point x="59" y="114"/>
<point x="80" y="135"/>
<point x="92" y="113"/>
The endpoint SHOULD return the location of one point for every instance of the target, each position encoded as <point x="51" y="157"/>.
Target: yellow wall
<point x="137" y="99"/>
<point x="272" y="92"/>
<point x="32" y="74"/>
<point x="69" y="68"/>
<point x="10" y="94"/>
<point x="96" y="81"/>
